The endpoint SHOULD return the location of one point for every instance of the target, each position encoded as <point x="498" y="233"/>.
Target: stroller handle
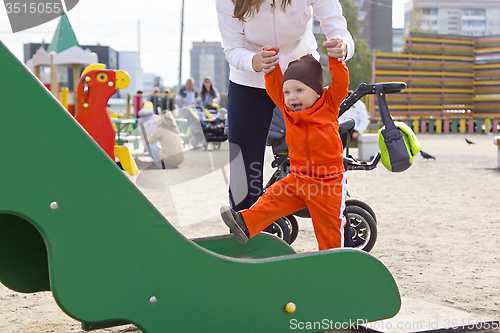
<point x="365" y="89"/>
<point x="346" y="125"/>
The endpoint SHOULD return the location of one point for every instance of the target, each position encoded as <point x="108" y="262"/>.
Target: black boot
<point x="236" y="224"/>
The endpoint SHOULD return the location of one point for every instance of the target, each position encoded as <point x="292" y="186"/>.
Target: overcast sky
<point x="114" y="23"/>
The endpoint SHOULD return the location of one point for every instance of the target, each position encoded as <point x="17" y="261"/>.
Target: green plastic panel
<point x="112" y="257"/>
<point x="23" y="259"/>
<point x="259" y="247"/>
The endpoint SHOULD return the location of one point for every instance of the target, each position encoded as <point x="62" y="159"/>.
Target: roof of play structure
<point x="64" y="37"/>
<point x="41" y="57"/>
<point x="65" y="45"/>
<point x="75" y="55"/>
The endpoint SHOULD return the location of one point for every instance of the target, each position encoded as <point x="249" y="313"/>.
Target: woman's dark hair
<point x="244" y="10"/>
<point x="210" y="91"/>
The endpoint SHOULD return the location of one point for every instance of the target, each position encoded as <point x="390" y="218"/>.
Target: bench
<point x="367" y="146"/>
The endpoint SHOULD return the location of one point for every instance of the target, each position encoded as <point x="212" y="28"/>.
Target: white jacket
<point x="359" y="113"/>
<point x="290" y="30"/>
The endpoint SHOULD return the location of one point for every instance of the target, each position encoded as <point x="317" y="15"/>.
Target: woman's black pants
<point x="249" y="117"/>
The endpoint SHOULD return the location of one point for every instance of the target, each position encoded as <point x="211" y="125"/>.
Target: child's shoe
<point x="235" y="223"/>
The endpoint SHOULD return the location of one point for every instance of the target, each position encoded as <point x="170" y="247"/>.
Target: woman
<point x="249" y="29"/>
<point x="208" y="94"/>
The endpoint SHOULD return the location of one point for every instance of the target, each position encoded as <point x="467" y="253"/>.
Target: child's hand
<point x="336" y="48"/>
<point x="266" y="60"/>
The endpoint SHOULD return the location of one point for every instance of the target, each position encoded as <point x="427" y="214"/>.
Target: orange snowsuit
<point x="317" y="179"/>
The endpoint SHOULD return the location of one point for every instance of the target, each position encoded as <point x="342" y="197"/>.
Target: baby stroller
<point x="213" y="121"/>
<point x="361" y="217"/>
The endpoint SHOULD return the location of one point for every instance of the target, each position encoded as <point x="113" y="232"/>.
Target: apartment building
<point x="207" y="59"/>
<point x="375" y="19"/>
<point x="454" y="17"/>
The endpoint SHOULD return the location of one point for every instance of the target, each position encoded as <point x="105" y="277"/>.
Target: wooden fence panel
<point x="453" y="83"/>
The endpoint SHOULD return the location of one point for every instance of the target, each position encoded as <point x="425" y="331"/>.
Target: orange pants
<point x="324" y="196"/>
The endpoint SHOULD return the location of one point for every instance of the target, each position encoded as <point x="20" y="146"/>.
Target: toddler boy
<point x="317" y="178"/>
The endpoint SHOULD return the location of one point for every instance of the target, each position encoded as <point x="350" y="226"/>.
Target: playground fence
<point x="453" y="83"/>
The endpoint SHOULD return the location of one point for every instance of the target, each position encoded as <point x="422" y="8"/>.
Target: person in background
<point x="209" y="96"/>
<point x="187" y="96"/>
<point x="138" y="102"/>
<point x="147" y="120"/>
<point x="249" y="29"/>
<point x="359" y="113"/>
<point x="166" y="100"/>
<point x="171" y="153"/>
<point x="155" y="98"/>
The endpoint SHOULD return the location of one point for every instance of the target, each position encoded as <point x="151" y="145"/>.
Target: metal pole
<point x="139" y="41"/>
<point x="180" y="56"/>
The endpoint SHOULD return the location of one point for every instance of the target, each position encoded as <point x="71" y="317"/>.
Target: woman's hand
<point x="266" y="60"/>
<point x="336" y="48"/>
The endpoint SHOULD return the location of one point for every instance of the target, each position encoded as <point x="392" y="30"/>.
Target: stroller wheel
<point x="216" y="145"/>
<point x="280" y="229"/>
<point x="293" y="225"/>
<point x="364" y="205"/>
<point x="363" y="228"/>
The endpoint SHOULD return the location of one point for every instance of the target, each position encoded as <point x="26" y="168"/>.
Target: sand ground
<point x="438" y="226"/>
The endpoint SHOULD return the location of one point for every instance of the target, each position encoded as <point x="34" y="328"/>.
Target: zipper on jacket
<point x="307" y="143"/>
<point x="309" y="160"/>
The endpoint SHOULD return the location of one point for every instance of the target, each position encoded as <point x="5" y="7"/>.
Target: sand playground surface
<point x="438" y="226"/>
